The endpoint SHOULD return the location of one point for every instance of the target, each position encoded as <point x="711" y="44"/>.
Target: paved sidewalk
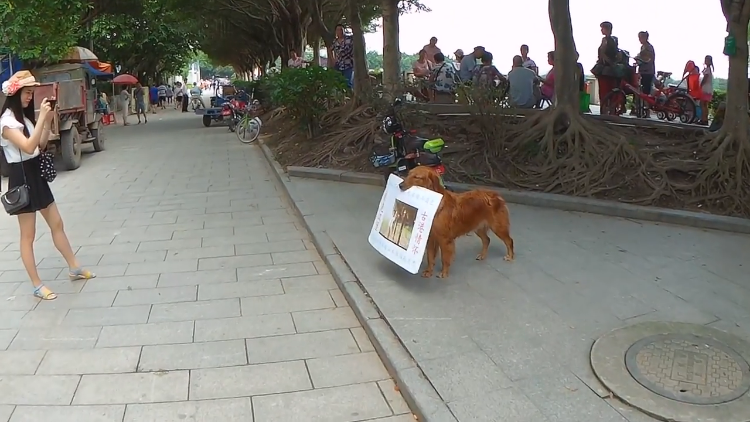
<point x="211" y="303"/>
<point x="506" y="341"/>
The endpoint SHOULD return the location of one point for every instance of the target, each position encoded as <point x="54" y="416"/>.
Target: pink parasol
<point x="125" y="79"/>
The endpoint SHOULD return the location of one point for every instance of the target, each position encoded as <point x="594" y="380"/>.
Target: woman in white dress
<point x="22" y="138"/>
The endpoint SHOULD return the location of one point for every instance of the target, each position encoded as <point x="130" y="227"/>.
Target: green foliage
<point x="159" y="39"/>
<point x="375" y="60"/>
<point x="208" y="67"/>
<point x="306" y="93"/>
<point x="719" y="96"/>
<point x="41" y="29"/>
<point x="259" y="89"/>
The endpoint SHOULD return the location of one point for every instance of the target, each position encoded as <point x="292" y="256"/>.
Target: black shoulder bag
<point x="16" y="198"/>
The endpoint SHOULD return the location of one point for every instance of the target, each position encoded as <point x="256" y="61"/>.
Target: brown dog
<point x="458" y="214"/>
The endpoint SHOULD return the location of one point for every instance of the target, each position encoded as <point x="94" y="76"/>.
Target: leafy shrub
<point x="720" y="95"/>
<point x="306" y="93"/>
<point x="255" y="89"/>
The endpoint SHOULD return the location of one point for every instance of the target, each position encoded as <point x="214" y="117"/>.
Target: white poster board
<point x="403" y="223"/>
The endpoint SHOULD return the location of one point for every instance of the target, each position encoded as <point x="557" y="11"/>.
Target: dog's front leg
<point x="432" y="251"/>
<point x="447" y="253"/>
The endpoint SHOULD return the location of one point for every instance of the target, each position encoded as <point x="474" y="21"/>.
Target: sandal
<point x="42" y="292"/>
<point x="80" y="274"/>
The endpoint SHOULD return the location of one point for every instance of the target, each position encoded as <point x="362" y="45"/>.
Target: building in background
<point x="194" y="74"/>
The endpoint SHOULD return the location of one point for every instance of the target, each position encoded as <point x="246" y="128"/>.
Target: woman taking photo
<point x="22" y="138"/>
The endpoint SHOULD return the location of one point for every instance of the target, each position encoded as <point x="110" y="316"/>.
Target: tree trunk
<point x="736" y="121"/>
<point x="361" y="77"/>
<point x="391" y="51"/>
<point x="566" y="70"/>
<point x="316" y="52"/>
<point x="329" y="53"/>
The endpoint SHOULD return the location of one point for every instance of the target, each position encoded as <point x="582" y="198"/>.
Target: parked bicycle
<point x="667" y="104"/>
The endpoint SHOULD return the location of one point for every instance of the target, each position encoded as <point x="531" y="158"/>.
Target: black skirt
<point x="40" y="195"/>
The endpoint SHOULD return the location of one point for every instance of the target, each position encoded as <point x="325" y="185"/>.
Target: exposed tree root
<point x="557" y="151"/>
<point x="723" y="180"/>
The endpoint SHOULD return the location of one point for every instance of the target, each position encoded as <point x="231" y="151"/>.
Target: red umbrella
<point x="125" y="79"/>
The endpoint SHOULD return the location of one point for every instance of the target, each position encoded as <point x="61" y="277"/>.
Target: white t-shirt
<point x="530" y="64"/>
<point x="298" y="62"/>
<point x="12" y="153"/>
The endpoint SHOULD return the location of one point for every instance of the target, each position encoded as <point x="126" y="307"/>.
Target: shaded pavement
<point x="506" y="341"/>
<point x="210" y="304"/>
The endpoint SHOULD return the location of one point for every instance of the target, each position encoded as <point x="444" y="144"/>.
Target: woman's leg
<point x="27" y="225"/>
<point x="704" y="112"/>
<point x="52" y="215"/>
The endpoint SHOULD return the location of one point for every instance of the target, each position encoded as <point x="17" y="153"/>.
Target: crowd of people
<point x="612" y="68"/>
<point x="438" y="79"/>
<point x="161" y="96"/>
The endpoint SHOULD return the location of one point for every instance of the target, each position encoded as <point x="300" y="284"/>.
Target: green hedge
<point x="720" y="95"/>
<point x="306" y="93"/>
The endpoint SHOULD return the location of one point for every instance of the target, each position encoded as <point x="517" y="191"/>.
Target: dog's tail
<point x="499" y="207"/>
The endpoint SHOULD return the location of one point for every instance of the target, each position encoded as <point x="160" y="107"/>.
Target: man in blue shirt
<point x="469" y="62"/>
<point x="153" y="94"/>
<point x="343" y="55"/>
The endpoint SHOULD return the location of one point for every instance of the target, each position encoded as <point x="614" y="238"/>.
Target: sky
<point x="679" y="30"/>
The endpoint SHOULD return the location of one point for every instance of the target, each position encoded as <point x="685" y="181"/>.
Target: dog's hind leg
<point x="502" y="230"/>
<point x="432" y="251"/>
<point x="447" y="253"/>
<point x="500" y="225"/>
<point x="482" y="233"/>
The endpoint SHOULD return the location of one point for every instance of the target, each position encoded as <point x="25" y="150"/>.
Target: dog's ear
<point x="434" y="178"/>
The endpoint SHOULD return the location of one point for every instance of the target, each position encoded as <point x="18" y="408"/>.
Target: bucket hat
<point x="20" y="79"/>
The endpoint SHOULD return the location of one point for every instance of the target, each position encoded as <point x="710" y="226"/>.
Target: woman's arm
<point x="45" y="137"/>
<point x="30" y="144"/>
<point x="16" y="136"/>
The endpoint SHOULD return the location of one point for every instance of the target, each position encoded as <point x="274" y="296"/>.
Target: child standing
<point x="707" y="88"/>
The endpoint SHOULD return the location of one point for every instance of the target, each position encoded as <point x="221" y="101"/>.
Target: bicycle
<point x="667" y="107"/>
<point x="248" y="128"/>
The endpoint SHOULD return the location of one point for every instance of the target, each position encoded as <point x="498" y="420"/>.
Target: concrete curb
<point x="420" y="395"/>
<point x="561" y="202"/>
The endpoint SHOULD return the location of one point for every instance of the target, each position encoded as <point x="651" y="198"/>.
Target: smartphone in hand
<point x="52" y="103"/>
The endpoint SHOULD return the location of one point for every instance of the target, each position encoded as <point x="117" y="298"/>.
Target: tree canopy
<point x="149" y="38"/>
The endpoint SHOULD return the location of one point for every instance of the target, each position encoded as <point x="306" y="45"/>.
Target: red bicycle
<point x="668" y="105"/>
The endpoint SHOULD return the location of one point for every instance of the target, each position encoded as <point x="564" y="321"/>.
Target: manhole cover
<point x="688" y="368"/>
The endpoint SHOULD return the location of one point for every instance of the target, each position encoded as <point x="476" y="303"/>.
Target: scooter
<point x="196" y="103"/>
<point x="404" y="150"/>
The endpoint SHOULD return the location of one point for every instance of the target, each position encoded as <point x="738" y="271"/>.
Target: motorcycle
<point x="404" y="150"/>
<point x="238" y="108"/>
<point x="196" y="103"/>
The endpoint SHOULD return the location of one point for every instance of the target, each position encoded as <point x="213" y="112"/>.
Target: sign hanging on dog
<point x="403" y="223"/>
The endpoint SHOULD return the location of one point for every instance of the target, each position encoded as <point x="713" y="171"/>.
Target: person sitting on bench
<point x="522" y="81"/>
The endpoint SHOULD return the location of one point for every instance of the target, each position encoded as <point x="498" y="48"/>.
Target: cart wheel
<point x="206" y="121"/>
<point x="614" y="103"/>
<point x="98" y="141"/>
<point x="685" y="104"/>
<point x="661" y="115"/>
<point x="70" y="146"/>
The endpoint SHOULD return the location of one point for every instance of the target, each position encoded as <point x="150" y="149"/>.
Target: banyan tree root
<point x="347" y="136"/>
<point x="565" y="153"/>
<point x="556" y="151"/>
<point x="724" y="178"/>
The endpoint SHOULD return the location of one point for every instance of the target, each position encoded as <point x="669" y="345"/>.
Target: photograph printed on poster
<point x="399" y="226"/>
<point x="402" y="223"/>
